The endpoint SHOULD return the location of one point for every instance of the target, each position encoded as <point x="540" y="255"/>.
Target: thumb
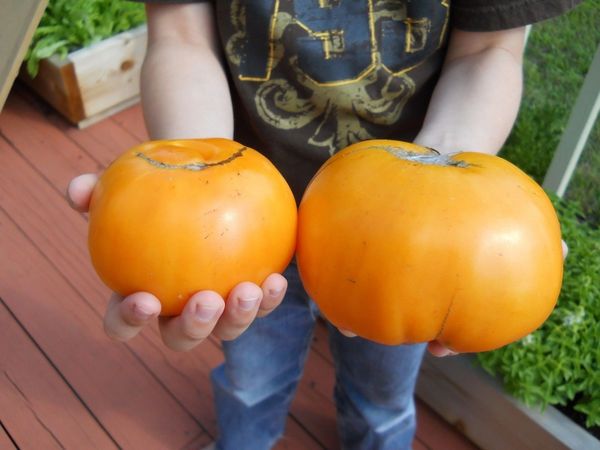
<point x="80" y="190"/>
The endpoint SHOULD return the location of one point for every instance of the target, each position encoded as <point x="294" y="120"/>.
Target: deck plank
<point x="35" y="203"/>
<point x="295" y="437"/>
<point x="198" y="442"/>
<point x="435" y="433"/>
<point x="6" y="442"/>
<point x="112" y="383"/>
<point x="133" y="405"/>
<point x="313" y="404"/>
<point x="38" y="408"/>
<point x="56" y="157"/>
<point x="105" y="140"/>
<point x="132" y="120"/>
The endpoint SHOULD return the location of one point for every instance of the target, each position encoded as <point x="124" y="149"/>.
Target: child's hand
<point x="438" y="349"/>
<point x="205" y="313"/>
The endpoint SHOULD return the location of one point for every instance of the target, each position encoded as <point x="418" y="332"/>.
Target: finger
<point x="241" y="308"/>
<point x="438" y="349"/>
<point x="196" y="322"/>
<point x="80" y="190"/>
<point x="347" y="333"/>
<point x="565" y="249"/>
<point x="273" y="288"/>
<point x="125" y="317"/>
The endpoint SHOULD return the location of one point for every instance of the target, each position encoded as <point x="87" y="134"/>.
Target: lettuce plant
<point x="67" y="25"/>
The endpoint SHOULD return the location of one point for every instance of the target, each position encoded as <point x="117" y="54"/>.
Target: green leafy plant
<point x="559" y="364"/>
<point x="71" y="24"/>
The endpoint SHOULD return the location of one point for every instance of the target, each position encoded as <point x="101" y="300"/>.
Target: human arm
<point x="476" y="100"/>
<point x="185" y="94"/>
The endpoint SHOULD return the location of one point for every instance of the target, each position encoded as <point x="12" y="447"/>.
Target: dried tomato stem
<point x="195" y="166"/>
<point x="434" y="158"/>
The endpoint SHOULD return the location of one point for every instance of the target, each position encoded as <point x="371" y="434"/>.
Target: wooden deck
<point x="63" y="383"/>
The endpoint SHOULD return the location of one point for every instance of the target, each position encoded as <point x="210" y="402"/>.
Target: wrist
<point x="444" y="143"/>
<point x="451" y="142"/>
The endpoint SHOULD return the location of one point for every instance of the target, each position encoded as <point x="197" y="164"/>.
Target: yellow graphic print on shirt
<point x="337" y="65"/>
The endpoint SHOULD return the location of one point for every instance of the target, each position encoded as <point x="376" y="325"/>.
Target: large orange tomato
<point x="175" y="217"/>
<point x="401" y="245"/>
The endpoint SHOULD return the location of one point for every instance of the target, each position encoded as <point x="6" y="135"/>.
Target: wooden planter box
<point x="93" y="82"/>
<point x="474" y="401"/>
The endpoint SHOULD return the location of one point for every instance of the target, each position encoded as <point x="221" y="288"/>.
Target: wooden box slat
<point x="93" y="82"/>
<point x="108" y="72"/>
<point x="476" y="402"/>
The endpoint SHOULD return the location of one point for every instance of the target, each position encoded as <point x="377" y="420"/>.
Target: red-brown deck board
<point x="63" y="383"/>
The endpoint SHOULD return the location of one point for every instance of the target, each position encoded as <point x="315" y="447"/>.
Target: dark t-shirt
<point x="310" y="77"/>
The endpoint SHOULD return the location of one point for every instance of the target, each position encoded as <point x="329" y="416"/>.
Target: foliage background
<point x="559" y="364"/>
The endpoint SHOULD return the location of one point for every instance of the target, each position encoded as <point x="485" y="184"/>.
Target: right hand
<point x="205" y="313"/>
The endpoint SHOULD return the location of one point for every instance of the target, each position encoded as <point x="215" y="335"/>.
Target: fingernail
<point x="141" y="313"/>
<point x="347" y="333"/>
<point x="205" y="313"/>
<point x="275" y="292"/>
<point x="247" y="303"/>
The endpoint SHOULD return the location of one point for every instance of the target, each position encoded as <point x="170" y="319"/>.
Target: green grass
<point x="559" y="53"/>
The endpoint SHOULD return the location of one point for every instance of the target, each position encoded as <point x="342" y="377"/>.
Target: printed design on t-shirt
<point x="333" y="66"/>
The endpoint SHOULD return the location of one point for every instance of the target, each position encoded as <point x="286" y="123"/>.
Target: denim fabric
<point x="254" y="387"/>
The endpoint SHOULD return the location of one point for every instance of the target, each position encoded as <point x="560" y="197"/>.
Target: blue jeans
<point x="254" y="387"/>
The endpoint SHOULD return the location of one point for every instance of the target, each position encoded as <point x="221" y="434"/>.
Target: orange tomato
<point x="175" y="217"/>
<point x="401" y="245"/>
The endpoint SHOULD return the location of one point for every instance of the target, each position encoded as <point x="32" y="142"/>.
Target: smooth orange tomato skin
<point x="401" y="251"/>
<point x="176" y="217"/>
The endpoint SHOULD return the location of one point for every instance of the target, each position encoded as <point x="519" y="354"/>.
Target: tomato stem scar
<point x="434" y="158"/>
<point x="195" y="166"/>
